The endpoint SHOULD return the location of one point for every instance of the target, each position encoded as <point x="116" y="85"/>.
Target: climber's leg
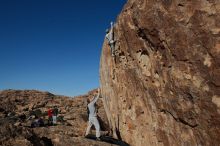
<point x="88" y="127"/>
<point x="54" y="119"/>
<point x="97" y="126"/>
<point x="112" y="46"/>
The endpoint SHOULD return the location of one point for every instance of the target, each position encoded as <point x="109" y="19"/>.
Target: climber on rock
<point x="50" y="117"/>
<point x="110" y="37"/>
<point x="93" y="115"/>
<point x="54" y="116"/>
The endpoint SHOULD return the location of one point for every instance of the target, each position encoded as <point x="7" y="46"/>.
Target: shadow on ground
<point x="108" y="140"/>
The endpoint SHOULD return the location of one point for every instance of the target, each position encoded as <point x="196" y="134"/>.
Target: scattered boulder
<point x="30" y="127"/>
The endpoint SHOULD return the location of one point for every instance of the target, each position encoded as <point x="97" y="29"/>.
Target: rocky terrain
<point x="162" y="88"/>
<point x="17" y="106"/>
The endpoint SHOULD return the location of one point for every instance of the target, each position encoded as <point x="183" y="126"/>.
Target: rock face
<point x="16" y="106"/>
<point x="163" y="86"/>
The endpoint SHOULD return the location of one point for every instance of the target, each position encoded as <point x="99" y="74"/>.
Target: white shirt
<point x="92" y="108"/>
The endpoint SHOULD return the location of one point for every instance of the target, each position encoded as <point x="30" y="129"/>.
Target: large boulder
<point x="163" y="85"/>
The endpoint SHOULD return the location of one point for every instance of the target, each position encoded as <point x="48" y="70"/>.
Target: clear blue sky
<point x="53" y="45"/>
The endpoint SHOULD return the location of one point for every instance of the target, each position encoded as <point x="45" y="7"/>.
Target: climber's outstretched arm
<point x="96" y="98"/>
<point x="112" y="27"/>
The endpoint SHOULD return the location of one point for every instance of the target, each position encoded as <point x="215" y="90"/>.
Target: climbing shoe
<point x="98" y="139"/>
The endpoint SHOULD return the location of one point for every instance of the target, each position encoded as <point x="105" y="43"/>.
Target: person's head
<point x="107" y="31"/>
<point x="91" y="98"/>
<point x="96" y="93"/>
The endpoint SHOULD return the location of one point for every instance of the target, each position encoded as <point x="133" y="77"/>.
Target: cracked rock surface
<point x="163" y="85"/>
